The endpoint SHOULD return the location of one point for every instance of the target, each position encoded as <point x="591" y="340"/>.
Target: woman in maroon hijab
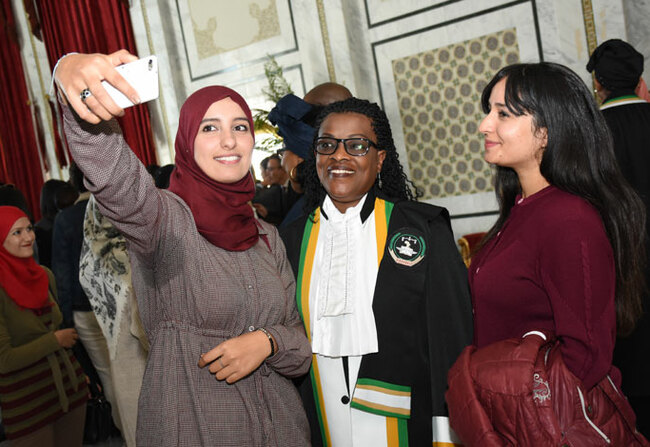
<point x="212" y="282"/>
<point x="42" y="389"/>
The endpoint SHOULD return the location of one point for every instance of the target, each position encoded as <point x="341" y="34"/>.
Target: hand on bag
<point x="77" y="73"/>
<point x="66" y="337"/>
<point x="236" y="358"/>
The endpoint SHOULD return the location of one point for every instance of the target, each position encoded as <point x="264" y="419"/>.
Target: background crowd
<point x="172" y="288"/>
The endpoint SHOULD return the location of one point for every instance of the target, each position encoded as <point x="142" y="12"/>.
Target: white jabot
<point x="343" y="283"/>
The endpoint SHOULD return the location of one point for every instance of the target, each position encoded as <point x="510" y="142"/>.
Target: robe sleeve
<point x="448" y="307"/>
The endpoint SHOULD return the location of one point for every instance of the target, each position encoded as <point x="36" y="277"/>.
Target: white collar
<point x="332" y="213"/>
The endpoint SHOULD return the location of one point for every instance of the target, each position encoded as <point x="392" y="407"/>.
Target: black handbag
<point x="99" y="421"/>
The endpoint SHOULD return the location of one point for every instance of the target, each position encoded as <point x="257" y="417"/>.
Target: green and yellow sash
<point x="383" y="210"/>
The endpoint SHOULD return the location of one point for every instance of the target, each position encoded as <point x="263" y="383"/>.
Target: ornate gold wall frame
<point x="326" y="40"/>
<point x="590" y="31"/>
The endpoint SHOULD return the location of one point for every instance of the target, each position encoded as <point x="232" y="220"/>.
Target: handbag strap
<point x="95" y="390"/>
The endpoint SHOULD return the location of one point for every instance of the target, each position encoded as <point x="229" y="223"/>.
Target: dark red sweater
<point x="550" y="267"/>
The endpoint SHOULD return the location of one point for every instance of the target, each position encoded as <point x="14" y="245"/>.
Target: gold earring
<point x="292" y="173"/>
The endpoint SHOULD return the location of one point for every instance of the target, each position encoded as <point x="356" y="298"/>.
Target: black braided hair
<point x="394" y="183"/>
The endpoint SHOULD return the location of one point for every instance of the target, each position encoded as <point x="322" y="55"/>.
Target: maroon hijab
<point x="22" y="278"/>
<point x="221" y="210"/>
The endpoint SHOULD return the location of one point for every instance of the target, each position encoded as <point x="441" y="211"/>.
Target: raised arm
<point x="123" y="188"/>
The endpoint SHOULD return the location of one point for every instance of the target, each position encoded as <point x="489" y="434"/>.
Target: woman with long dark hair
<point x="566" y="252"/>
<point x="381" y="289"/>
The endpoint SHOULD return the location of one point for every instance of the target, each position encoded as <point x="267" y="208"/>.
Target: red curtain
<point x="97" y="26"/>
<point x="19" y="159"/>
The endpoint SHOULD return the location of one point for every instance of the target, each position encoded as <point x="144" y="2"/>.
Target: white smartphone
<point x="143" y="77"/>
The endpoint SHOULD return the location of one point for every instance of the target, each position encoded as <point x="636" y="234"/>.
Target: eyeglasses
<point x="357" y="147"/>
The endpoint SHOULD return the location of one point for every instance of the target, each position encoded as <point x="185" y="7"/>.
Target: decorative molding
<point x="405" y="15"/>
<point x="161" y="96"/>
<point x="590" y="25"/>
<point x="590" y="31"/>
<point x="326" y="40"/>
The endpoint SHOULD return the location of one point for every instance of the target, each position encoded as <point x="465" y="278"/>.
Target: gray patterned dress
<point x="192" y="296"/>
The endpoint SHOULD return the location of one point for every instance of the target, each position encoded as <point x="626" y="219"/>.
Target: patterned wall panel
<point x="438" y="95"/>
<point x="447" y="59"/>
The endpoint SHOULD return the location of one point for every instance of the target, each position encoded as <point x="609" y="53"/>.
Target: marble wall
<point x="437" y="138"/>
<point x="424" y="61"/>
<point x="637" y="24"/>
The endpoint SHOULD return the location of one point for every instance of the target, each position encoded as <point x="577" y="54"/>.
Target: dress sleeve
<point x="123" y="188"/>
<point x="293" y="358"/>
<point x="578" y="273"/>
<point x="13" y="358"/>
<point x="448" y="307"/>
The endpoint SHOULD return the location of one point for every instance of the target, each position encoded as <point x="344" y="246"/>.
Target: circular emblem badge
<point x="406" y="249"/>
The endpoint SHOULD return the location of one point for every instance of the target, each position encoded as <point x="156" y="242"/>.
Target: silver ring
<point x="85" y="94"/>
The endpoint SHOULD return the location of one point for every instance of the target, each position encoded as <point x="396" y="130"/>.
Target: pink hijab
<point x="221" y="210"/>
<point x="22" y="278"/>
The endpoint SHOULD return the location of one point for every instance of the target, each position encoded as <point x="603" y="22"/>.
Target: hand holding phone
<point x="79" y="78"/>
<point x="142" y="75"/>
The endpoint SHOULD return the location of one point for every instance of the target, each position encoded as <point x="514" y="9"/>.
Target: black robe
<point x="629" y="122"/>
<point x="423" y="313"/>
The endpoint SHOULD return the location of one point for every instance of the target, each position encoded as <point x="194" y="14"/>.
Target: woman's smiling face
<point x="20" y="239"/>
<point x="348" y="178"/>
<point x="223" y="146"/>
<point x="511" y="141"/>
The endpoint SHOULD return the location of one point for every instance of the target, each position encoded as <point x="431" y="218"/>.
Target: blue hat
<point x="288" y="114"/>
